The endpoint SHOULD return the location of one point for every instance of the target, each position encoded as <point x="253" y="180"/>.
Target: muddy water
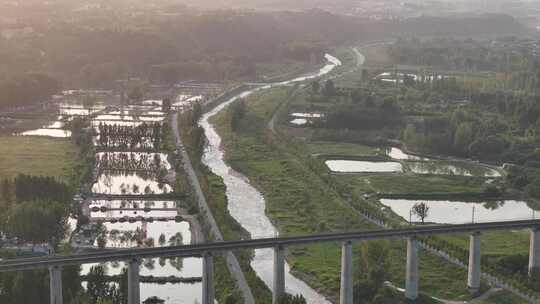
<point x="246" y="204"/>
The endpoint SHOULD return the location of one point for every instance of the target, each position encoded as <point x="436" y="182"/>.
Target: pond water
<point x="59" y="133"/>
<point x="398" y="154"/>
<point x="299" y="121"/>
<point x="124" y="123"/>
<point x="133" y="160"/>
<point x="113" y="117"/>
<point x="130" y="204"/>
<point x="398" y="77"/>
<point x="307" y="115"/>
<point x="447" y="212"/>
<point x="133" y="213"/>
<point x="118" y="236"/>
<point x="246" y="203"/>
<point x="136" y="173"/>
<point x="128" y="183"/>
<point x="151" y="118"/>
<point x="452" y="168"/>
<point x="183" y="101"/>
<point x="357" y="166"/>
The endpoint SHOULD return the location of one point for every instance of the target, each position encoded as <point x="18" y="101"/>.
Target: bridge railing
<point x="413" y="233"/>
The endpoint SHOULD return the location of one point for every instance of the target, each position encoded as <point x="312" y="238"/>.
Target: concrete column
<point x="346" y="293"/>
<point x="534" y="251"/>
<point x="134" y="292"/>
<point x="473" y="279"/>
<point x="279" y="274"/>
<point x="411" y="277"/>
<point x="208" y="279"/>
<point x="55" y="278"/>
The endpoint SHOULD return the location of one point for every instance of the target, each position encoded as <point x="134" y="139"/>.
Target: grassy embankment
<point x="300" y="200"/>
<point x="214" y="191"/>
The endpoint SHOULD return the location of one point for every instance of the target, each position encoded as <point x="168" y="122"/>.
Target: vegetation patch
<point x="39" y="156"/>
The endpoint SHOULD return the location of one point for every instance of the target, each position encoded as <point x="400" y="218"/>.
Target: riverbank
<point x="298" y="200"/>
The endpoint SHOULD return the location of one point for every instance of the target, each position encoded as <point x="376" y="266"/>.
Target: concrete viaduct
<point x="207" y="251"/>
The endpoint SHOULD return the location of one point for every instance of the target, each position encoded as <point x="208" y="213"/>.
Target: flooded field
<point x="129" y="183"/>
<point x="398" y="154"/>
<point x="356" y="166"/>
<point x="452" y="168"/>
<point x="125" y="235"/>
<point x="59" y="133"/>
<point x="140" y="223"/>
<point x="451" y="212"/>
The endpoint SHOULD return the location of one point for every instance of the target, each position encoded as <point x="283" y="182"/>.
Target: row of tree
<point x="36" y="209"/>
<point x="130" y="161"/>
<point x="145" y="136"/>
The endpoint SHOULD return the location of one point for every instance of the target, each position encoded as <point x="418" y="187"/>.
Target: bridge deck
<point x="199" y="249"/>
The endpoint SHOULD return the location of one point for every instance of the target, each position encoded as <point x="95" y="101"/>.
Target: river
<point x="245" y="203"/>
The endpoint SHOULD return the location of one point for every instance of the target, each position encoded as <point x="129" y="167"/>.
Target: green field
<point x="301" y="199"/>
<point x="347" y="149"/>
<point x="37" y="156"/>
<point x="404" y="184"/>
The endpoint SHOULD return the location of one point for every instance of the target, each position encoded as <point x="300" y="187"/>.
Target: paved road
<point x="232" y="262"/>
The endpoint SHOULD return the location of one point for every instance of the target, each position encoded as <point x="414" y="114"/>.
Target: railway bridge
<point x="279" y="244"/>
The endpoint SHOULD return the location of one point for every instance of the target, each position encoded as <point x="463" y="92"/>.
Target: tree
<point x="97" y="286"/>
<point x="136" y="93"/>
<point x="421" y="210"/>
<point x="37" y="222"/>
<point x="162" y="239"/>
<point x="315" y="86"/>
<point x="329" y="88"/>
<point x="153" y="300"/>
<point x="89" y="101"/>
<point x="290" y="299"/>
<point x="374" y="271"/>
<point x="463" y="137"/>
<point x="238" y="112"/>
<point x="166" y="105"/>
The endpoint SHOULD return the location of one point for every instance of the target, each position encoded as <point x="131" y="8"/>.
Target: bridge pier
<point x="208" y="279"/>
<point x="346" y="293"/>
<point x="534" y="251"/>
<point x="473" y="279"/>
<point x="55" y="278"/>
<point x="134" y="288"/>
<point x="279" y="275"/>
<point x="411" y="278"/>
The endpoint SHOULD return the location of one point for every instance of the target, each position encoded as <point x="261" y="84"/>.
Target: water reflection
<point x="129" y="183"/>
<point x="448" y="212"/>
<point x="452" y="168"/>
<point x="398" y="154"/>
<point x="58" y="133"/>
<point x="133" y="161"/>
<point x="356" y="166"/>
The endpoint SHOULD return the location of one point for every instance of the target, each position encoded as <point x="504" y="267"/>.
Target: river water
<point x="245" y="203"/>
